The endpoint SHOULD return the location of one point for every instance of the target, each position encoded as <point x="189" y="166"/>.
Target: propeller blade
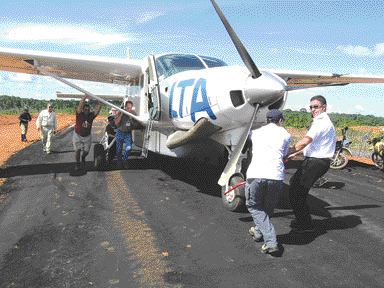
<point x="230" y="168"/>
<point x="239" y="46"/>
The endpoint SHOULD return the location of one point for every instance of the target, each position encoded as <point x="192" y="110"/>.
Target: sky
<point x="344" y="37"/>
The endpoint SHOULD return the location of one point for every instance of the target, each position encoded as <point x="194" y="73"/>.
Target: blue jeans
<point x="123" y="138"/>
<point x="261" y="197"/>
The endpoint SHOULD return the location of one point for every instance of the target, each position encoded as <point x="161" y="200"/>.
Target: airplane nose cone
<point x="265" y="90"/>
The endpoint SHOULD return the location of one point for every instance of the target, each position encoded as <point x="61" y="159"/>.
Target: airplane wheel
<point x="99" y="156"/>
<point x="234" y="200"/>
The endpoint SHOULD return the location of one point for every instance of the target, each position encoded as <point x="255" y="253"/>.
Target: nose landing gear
<point x="233" y="194"/>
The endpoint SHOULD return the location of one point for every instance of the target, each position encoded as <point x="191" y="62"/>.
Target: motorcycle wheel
<point x="378" y="160"/>
<point x="339" y="161"/>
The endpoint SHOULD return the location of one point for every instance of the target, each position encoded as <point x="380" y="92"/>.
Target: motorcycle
<point x="342" y="152"/>
<point x="377" y="156"/>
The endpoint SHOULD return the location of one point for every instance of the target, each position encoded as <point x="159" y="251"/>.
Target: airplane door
<point x="154" y="103"/>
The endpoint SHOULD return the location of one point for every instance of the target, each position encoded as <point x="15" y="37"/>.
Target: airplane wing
<point x="81" y="67"/>
<point x="303" y="80"/>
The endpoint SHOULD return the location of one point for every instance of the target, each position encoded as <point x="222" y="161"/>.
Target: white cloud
<point x="311" y="51"/>
<point x="359" y="107"/>
<point x="149" y="16"/>
<point x="360" y="51"/>
<point x="379" y="49"/>
<point x="63" y="34"/>
<point x="19" y="77"/>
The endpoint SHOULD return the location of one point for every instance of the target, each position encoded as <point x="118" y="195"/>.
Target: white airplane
<point x="192" y="106"/>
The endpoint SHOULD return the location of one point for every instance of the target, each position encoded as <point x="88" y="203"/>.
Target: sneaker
<point x="320" y="182"/>
<point x="48" y="152"/>
<point x="256" y="235"/>
<point x="269" y="250"/>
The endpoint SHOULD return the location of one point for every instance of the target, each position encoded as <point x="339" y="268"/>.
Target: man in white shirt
<point x="318" y="146"/>
<point x="265" y="176"/>
<point x="46" y="124"/>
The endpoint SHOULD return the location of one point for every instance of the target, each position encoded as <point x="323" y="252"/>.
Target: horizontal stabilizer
<point x="202" y="129"/>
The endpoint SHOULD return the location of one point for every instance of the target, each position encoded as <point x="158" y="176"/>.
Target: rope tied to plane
<point x="234" y="187"/>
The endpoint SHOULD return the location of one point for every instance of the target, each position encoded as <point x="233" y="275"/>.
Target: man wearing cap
<point x="82" y="138"/>
<point x="46" y="125"/>
<point x="318" y="146"/>
<point x="265" y="176"/>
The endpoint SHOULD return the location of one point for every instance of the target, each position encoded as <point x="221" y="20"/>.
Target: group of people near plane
<point x="265" y="174"/>
<point x="119" y="125"/>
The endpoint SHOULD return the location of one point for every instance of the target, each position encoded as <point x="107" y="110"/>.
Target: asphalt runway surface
<point x="161" y="223"/>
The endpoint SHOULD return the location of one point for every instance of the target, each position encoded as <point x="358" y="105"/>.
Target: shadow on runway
<point x="321" y="227"/>
<point x="67" y="167"/>
<point x="62" y="151"/>
<point x="203" y="176"/>
<point x="200" y="175"/>
<point x="319" y="208"/>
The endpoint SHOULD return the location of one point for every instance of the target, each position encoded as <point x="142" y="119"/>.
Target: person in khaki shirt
<point x="46" y="124"/>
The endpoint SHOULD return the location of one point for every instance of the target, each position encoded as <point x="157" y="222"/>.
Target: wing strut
<point x="45" y="72"/>
<point x="230" y="168"/>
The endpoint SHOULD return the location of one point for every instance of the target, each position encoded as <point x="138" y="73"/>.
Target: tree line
<point x="301" y="119"/>
<point x="296" y="119"/>
<point x="15" y="105"/>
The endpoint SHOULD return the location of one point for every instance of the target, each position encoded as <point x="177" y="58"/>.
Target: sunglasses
<point x="315" y="107"/>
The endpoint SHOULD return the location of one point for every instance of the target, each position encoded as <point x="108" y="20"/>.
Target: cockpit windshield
<point x="213" y="62"/>
<point x="170" y="64"/>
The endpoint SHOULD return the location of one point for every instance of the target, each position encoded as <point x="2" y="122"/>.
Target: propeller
<point x="239" y="46"/>
<point x="230" y="168"/>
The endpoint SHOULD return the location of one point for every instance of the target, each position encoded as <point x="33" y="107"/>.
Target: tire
<point x="99" y="156"/>
<point x="340" y="162"/>
<point x="235" y="200"/>
<point x="378" y="160"/>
